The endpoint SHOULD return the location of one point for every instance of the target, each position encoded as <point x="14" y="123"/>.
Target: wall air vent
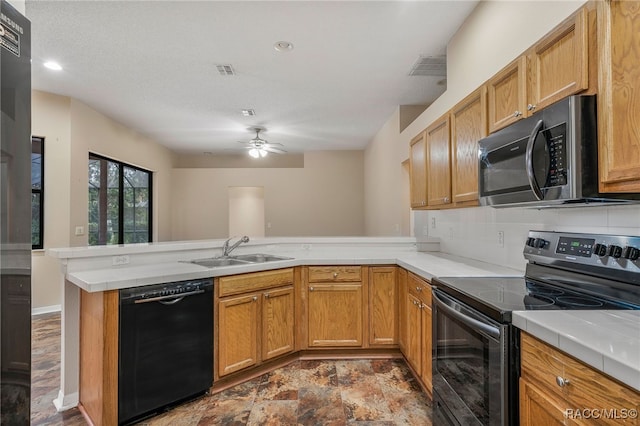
<point x="430" y="66"/>
<point x="225" y="70"/>
<point x="248" y="112"/>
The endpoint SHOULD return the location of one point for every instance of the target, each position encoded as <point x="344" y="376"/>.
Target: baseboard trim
<point x="46" y="310"/>
<point x="66" y="402"/>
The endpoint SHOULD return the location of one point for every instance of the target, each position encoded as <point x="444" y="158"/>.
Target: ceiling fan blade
<point x="272" y="143"/>
<point x="274" y="150"/>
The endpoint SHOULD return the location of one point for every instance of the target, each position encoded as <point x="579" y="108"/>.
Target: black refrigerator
<point x="15" y="223"/>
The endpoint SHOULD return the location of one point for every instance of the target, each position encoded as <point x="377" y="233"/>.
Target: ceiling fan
<point x="259" y="147"/>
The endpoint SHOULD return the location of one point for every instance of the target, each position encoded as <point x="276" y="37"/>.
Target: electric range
<point x="475" y="346"/>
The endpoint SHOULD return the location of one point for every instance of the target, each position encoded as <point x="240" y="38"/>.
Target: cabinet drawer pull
<point x="266" y="295"/>
<point x="310" y="288"/>
<point x="335" y="275"/>
<point x="531" y="107"/>
<point x="255" y="298"/>
<point x="562" y="382"/>
<point x="517" y="113"/>
<point x="418" y="288"/>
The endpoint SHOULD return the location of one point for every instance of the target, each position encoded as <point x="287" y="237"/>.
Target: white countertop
<point x="427" y="265"/>
<point x="608" y="341"/>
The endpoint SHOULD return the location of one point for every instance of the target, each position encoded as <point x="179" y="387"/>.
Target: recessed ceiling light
<point x="53" y="65"/>
<point x="283" y="46"/>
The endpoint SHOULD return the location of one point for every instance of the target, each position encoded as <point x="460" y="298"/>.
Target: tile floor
<point x="351" y="392"/>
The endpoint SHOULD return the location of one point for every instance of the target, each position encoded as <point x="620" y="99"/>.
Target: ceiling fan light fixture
<point x="254" y="153"/>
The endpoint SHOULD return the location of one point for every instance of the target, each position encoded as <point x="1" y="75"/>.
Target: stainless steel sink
<point x="241" y="259"/>
<point x="219" y="261"/>
<point x="260" y="257"/>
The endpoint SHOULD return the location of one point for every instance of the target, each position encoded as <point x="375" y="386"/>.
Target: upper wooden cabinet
<point x="418" y="170"/>
<point x="559" y="65"/>
<point x="506" y="94"/>
<point x="438" y="163"/>
<point x="619" y="95"/>
<point x="468" y="126"/>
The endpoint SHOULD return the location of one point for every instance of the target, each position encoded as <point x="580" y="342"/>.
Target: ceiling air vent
<point x="248" y="112"/>
<point x="430" y="66"/>
<point x="225" y="70"/>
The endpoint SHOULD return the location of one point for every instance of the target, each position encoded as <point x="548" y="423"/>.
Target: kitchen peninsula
<point x="356" y="264"/>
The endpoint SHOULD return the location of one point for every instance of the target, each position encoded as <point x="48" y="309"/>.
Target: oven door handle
<point x="488" y="329"/>
<point x="531" y="175"/>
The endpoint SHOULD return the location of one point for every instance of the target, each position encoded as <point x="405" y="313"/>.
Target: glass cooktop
<point x="497" y="297"/>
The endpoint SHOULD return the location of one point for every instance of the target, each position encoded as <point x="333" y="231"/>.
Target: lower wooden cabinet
<point x="254" y="326"/>
<point x="558" y="389"/>
<point x="383" y="305"/>
<point x="418" y="317"/>
<point x="335" y="314"/>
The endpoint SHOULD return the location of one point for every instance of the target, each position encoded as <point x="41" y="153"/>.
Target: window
<point x="119" y="202"/>
<point x="37" y="192"/>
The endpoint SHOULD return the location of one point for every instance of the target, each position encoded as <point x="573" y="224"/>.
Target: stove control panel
<point x="598" y="251"/>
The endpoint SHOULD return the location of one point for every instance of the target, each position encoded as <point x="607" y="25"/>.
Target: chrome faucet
<point x="226" y="250"/>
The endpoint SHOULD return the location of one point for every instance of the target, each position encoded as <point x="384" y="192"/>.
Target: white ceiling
<point x="151" y="65"/>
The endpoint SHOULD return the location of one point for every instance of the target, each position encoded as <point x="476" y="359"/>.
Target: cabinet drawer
<point x="419" y="288"/>
<point x="244" y="283"/>
<point x="335" y="273"/>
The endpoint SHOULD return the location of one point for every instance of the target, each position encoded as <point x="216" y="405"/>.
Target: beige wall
<point x="72" y="129"/>
<point x="325" y="198"/>
<point x="386" y="183"/>
<point x="51" y="120"/>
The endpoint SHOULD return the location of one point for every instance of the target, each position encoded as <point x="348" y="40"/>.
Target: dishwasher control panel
<point x="165" y="291"/>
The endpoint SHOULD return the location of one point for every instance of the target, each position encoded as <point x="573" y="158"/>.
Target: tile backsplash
<point x="498" y="235"/>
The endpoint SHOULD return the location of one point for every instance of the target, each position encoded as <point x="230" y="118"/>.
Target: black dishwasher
<point x="166" y="346"/>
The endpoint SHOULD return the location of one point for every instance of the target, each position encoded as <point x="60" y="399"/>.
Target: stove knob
<point x="631" y="253"/>
<point x="600" y="250"/>
<point x="539" y="243"/>
<point x="615" y="251"/>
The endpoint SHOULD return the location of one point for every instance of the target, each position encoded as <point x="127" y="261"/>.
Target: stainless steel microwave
<point x="547" y="160"/>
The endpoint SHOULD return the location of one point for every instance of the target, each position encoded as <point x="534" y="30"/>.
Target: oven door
<point x="471" y="374"/>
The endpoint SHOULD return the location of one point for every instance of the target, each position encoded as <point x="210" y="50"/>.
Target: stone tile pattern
<point x="343" y="392"/>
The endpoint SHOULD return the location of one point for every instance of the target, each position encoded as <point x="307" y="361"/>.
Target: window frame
<point x="121" y="166"/>
<point x="40" y="191"/>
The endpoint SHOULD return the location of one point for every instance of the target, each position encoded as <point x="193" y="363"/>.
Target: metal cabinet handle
<point x="418" y="288"/>
<point x="531" y="107"/>
<point x="266" y="295"/>
<point x="517" y="113"/>
<point x="310" y="288"/>
<point x="335" y="275"/>
<point x="255" y="298"/>
<point x="562" y="382"/>
<point x="414" y="302"/>
<point x="446" y="199"/>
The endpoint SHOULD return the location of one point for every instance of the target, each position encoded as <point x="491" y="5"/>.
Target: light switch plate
<point x="79" y="231"/>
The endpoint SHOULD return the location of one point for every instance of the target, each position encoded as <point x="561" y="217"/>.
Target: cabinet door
<point x="238" y="333"/>
<point x="383" y="305"/>
<point x="335" y="315"/>
<point x="277" y="322"/>
<point x="506" y="94"/>
<point x="402" y="309"/>
<point x="468" y="126"/>
<point x="438" y="163"/>
<point x="414" y="333"/>
<point x="418" y="170"/>
<point x="426" y="352"/>
<point x="537" y="408"/>
<point x="559" y="63"/>
<point x="619" y="96"/>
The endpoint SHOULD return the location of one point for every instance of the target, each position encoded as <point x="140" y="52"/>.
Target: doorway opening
<point x="246" y="211"/>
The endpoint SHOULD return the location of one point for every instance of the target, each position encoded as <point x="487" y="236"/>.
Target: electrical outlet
<point x="433" y="223"/>
<point x="120" y="260"/>
<point x="501" y="238"/>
